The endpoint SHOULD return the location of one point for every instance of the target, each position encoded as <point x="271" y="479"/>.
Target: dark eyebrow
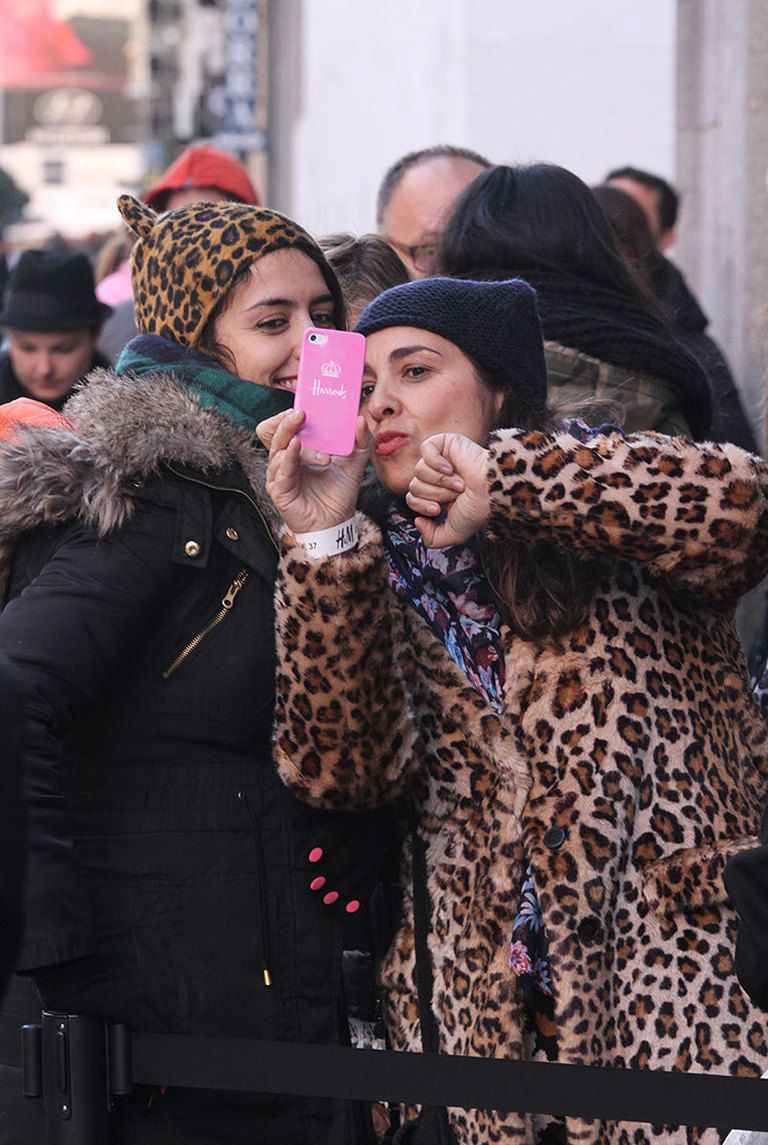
<point x="271" y="302"/>
<point x="404" y="351"/>
<point x="321" y="298"/>
<point x="63" y="340"/>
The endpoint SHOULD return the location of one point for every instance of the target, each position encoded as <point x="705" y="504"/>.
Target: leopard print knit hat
<point x="187" y="259"/>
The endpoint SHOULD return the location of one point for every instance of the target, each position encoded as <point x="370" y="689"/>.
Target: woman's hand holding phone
<point x="310" y="490"/>
<point x="451" y="478"/>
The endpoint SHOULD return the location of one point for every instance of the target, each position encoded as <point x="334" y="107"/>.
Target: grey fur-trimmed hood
<point x="125" y="427"/>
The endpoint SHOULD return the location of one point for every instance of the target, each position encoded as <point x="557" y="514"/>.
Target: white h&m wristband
<point x="327" y="542"/>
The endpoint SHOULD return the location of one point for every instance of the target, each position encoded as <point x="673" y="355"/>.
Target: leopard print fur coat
<point x="630" y="763"/>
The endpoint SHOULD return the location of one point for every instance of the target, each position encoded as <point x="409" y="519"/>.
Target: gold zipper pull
<point x="229" y="597"/>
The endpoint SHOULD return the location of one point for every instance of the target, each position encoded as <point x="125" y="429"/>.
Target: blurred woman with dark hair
<point x="635" y="241"/>
<point x="604" y="335"/>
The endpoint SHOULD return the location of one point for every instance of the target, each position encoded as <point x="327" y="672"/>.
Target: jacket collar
<point x="126" y="428"/>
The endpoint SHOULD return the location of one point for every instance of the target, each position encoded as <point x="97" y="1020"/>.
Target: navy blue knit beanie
<point x="495" y="324"/>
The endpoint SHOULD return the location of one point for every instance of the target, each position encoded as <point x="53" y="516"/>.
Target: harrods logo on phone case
<point x="322" y="389"/>
<point x="328" y="388"/>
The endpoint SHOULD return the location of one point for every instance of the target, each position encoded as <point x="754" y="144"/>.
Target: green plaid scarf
<point x="244" y="403"/>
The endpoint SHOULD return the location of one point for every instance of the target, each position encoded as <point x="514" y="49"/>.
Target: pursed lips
<point x="390" y="441"/>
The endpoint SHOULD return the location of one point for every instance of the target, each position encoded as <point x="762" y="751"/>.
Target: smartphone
<point x="328" y="386"/>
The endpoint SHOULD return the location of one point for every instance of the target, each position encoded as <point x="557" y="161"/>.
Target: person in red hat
<point x="201" y="173"/>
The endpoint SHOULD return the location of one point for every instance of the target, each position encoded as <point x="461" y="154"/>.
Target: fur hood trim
<point x="125" y="428"/>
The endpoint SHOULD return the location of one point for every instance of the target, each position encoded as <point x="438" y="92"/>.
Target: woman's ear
<point x="494" y="413"/>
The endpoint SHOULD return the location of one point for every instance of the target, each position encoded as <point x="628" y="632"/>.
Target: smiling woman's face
<point x="417" y="384"/>
<point x="261" y="328"/>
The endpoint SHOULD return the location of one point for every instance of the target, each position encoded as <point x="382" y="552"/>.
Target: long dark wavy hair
<point x="539" y="218"/>
<point x="542" y="592"/>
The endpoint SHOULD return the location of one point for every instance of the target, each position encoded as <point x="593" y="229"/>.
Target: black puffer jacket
<point x="166" y="857"/>
<point x="12" y="837"/>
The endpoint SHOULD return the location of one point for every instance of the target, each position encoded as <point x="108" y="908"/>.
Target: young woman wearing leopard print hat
<point x="533" y="636"/>
<point x="167" y="882"/>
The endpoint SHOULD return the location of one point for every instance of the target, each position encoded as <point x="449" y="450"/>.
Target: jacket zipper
<point x="227" y="603"/>
<point x="228" y="489"/>
<point x="263" y="936"/>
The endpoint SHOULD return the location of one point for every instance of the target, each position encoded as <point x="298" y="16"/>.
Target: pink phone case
<point x="328" y="388"/>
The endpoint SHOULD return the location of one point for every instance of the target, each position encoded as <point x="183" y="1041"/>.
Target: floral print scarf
<point x="449" y="589"/>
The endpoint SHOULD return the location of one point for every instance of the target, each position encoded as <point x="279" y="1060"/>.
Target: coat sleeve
<point x="344" y="726"/>
<point x="68" y="636"/>
<point x="694" y="514"/>
<point x="12" y="819"/>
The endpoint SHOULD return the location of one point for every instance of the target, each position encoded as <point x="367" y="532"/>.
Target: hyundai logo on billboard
<point x="64" y="83"/>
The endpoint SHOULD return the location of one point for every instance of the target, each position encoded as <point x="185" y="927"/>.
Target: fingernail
<point x="330" y="898"/>
<point x="317" y="883"/>
<point x="352" y="906"/>
<point x="316" y="854"/>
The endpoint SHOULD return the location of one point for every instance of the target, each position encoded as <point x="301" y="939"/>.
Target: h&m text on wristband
<point x="328" y="542"/>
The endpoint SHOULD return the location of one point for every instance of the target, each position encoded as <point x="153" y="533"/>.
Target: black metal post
<point x="75" y="1080"/>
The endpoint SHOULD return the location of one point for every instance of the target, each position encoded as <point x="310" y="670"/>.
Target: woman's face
<point x="282" y="295"/>
<point x="417" y="384"/>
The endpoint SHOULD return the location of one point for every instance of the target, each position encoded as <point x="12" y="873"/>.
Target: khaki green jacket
<point x="598" y="392"/>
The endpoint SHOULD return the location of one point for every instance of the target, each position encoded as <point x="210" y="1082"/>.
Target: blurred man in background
<point x="416" y="196"/>
<point x="658" y="198"/>
<point x="52" y="320"/>
<point x="660" y="204"/>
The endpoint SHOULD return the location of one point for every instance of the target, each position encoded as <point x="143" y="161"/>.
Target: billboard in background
<point x="64" y="81"/>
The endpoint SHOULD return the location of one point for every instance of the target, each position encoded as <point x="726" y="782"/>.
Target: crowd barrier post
<point x="80" y="1064"/>
<point x="66" y="1061"/>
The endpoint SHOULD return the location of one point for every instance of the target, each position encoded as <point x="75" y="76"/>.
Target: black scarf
<point x="579" y="314"/>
